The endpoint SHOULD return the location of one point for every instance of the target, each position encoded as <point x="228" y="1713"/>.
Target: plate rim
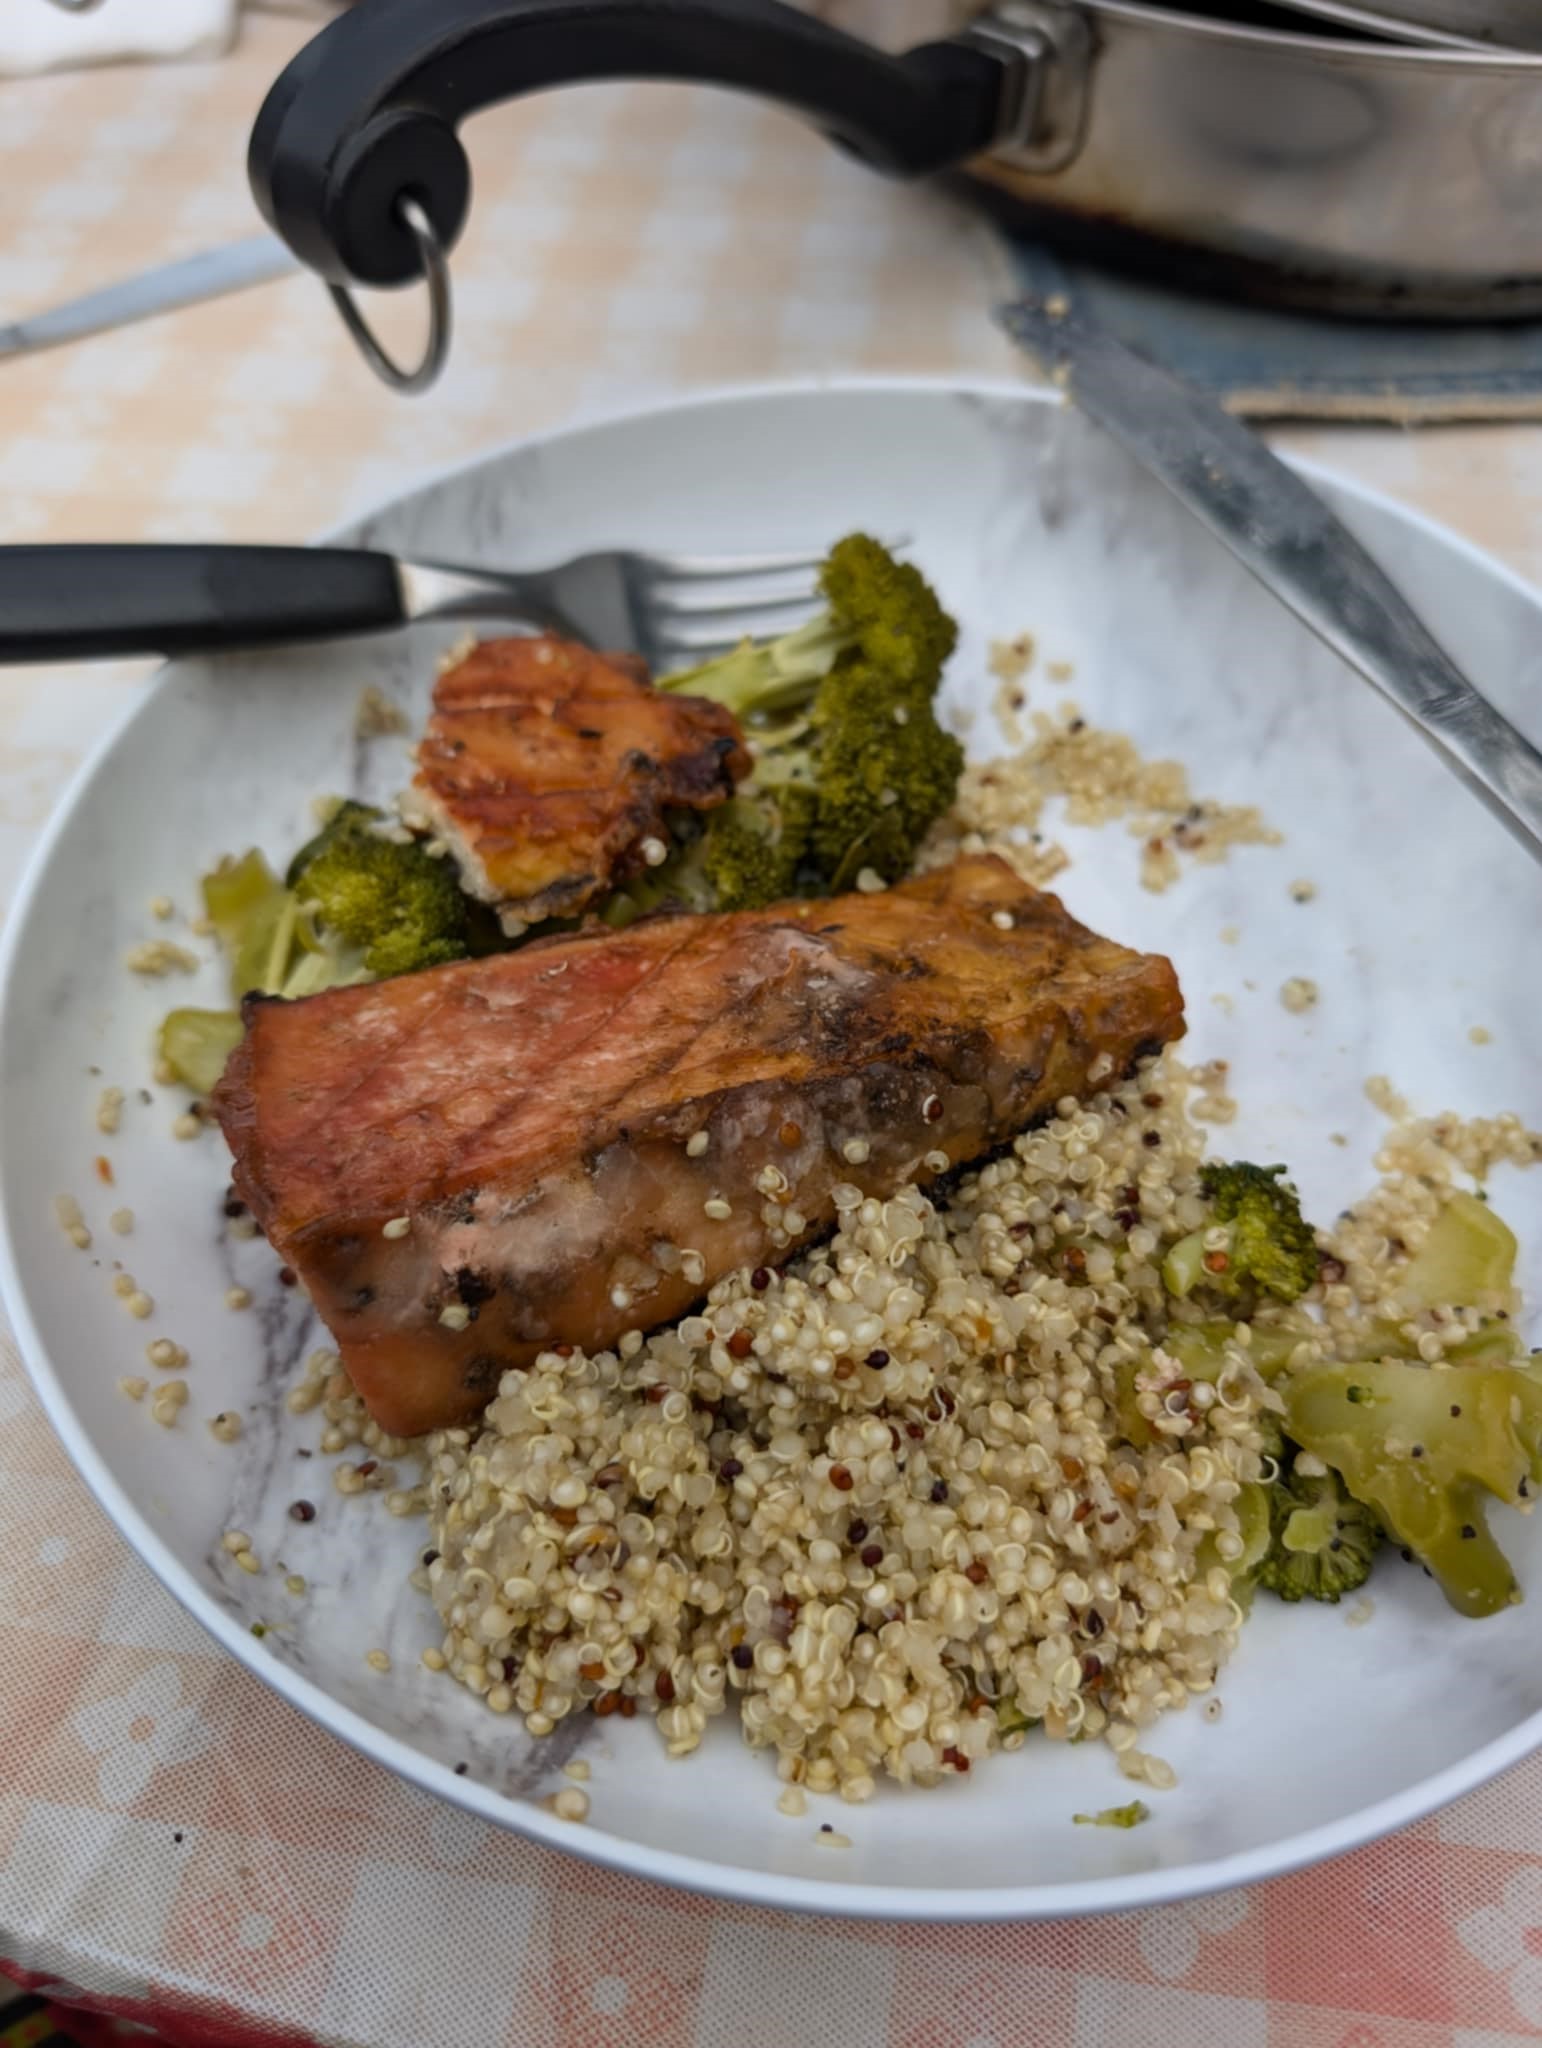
<point x="1084" y="1897"/>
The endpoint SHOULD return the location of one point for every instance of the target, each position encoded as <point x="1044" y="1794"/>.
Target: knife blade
<point x="1281" y="531"/>
<point x="256" y="259"/>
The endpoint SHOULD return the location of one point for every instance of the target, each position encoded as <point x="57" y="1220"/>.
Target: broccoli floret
<point x="195" y="1044"/>
<point x="1423" y="1448"/>
<point x="1269" y="1245"/>
<point x="399" y="906"/>
<point x="857" y="733"/>
<point x="1321" y="1543"/>
<point x="1466" y="1261"/>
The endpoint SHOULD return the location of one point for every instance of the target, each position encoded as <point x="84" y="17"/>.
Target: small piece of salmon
<point x="547" y="769"/>
<point x="563" y="1143"/>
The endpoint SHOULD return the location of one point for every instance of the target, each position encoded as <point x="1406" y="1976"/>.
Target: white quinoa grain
<point x="248" y="1562"/>
<point x="1480" y="1035"/>
<point x="154" y="958"/>
<point x="140" y="1305"/>
<point x="571" y="1804"/>
<point x="187" y="1126"/>
<point x="715" y="1207"/>
<point x="164" y="1074"/>
<point x="432" y="1659"/>
<point x="397" y="1227"/>
<point x="121" y="1222"/>
<point x="234" y="1541"/>
<point x="1003" y="920"/>
<point x="696" y="1144"/>
<point x="577" y="1769"/>
<point x="168" y="1356"/>
<point x="225" y="1427"/>
<point x="294" y="1584"/>
<point x="1302" y="891"/>
<point x="793" y="1802"/>
<point x="133" y="1386"/>
<point x="654" y="852"/>
<point x="856" y="1151"/>
<point x="1298" y="994"/>
<point x="377" y="1660"/>
<point x="238" y="1297"/>
<point x="869" y="881"/>
<point x="162" y="907"/>
<point x="109" y="1111"/>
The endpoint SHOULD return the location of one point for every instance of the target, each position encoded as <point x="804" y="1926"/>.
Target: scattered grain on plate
<point x="1224" y="1003"/>
<point x="67" y="1213"/>
<point x="1480" y="1035"/>
<point x="1230" y="934"/>
<point x="167" y="1402"/>
<point x="123" y="1285"/>
<point x="793" y="1801"/>
<point x="1010" y="660"/>
<point x="1302" y="891"/>
<point x="1100" y="776"/>
<point x="234" y="1541"/>
<point x="1212" y="1710"/>
<point x="1363" y="1610"/>
<point x="187" y="1126"/>
<point x="225" y="1427"/>
<point x="163" y="1352"/>
<point x="375" y="716"/>
<point x="577" y="1770"/>
<point x="140" y="1305"/>
<point x="831" y="1838"/>
<point x="162" y="907"/>
<point x="238" y="1297"/>
<point x="1298" y="994"/>
<point x="1060" y="671"/>
<point x="155" y="958"/>
<point x="1381" y="1094"/>
<point x="571" y="1804"/>
<point x="109" y="1111"/>
<point x="133" y="1387"/>
<point x="294" y="1584"/>
<point x="432" y="1659"/>
<point x="164" y="1074"/>
<point x="121" y="1222"/>
<point x="377" y="1660"/>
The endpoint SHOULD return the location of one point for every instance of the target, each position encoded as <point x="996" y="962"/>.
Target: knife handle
<point x="73" y="600"/>
<point x="365" y="116"/>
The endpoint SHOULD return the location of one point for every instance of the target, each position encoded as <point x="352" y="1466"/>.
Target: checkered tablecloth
<point x="177" y="1845"/>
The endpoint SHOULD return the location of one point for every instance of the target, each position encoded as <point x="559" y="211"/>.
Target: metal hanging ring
<point x="436" y="275"/>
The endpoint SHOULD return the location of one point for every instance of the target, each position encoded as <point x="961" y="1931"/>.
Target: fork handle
<point x="74" y="600"/>
<point x="366" y="114"/>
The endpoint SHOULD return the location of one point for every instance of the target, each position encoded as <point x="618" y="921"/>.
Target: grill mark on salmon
<point x="546" y="767"/>
<point x="529" y="1113"/>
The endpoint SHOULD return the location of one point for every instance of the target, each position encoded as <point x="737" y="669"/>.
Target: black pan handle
<point x="365" y="116"/>
<point x="74" y="600"/>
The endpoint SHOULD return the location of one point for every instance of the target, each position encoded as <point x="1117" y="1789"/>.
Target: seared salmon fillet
<point x="563" y="1143"/>
<point x="547" y="769"/>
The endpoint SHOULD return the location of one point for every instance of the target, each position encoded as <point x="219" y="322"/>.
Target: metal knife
<point x="209" y="275"/>
<point x="1283" y="532"/>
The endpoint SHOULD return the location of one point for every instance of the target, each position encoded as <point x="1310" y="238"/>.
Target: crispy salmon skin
<point x="547" y="769"/>
<point x="560" y="1144"/>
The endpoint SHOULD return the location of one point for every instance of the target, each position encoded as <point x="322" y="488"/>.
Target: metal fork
<point x="72" y="600"/>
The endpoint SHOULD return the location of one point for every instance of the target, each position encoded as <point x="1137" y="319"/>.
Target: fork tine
<point x="711" y="601"/>
<point x="694" y="635"/>
<point x="706" y="567"/>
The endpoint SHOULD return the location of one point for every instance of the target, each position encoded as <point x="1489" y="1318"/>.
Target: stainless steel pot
<point x="1311" y="163"/>
<point x="1363" y="177"/>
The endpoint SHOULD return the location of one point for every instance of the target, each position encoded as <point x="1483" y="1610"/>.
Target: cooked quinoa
<point x="879" y="1504"/>
<point x="1101" y="777"/>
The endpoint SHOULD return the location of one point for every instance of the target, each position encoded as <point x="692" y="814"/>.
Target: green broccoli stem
<point x="762" y="679"/>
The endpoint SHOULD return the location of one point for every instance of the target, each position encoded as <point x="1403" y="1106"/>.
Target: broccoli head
<point x="1322" y="1543"/>
<point x="399" y="906"/>
<point x="1269" y="1246"/>
<point x="753" y="847"/>
<point x="842" y="710"/>
<point x="1422" y="1448"/>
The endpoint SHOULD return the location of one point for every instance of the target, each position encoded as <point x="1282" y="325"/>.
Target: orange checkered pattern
<point x="177" y="1846"/>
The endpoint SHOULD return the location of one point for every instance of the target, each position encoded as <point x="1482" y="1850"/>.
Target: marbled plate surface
<point x="1426" y="924"/>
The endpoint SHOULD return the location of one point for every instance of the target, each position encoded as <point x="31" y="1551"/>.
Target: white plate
<point x="1425" y="925"/>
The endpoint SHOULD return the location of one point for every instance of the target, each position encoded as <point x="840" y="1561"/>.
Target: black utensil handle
<point x="367" y="112"/>
<point x="65" y="602"/>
